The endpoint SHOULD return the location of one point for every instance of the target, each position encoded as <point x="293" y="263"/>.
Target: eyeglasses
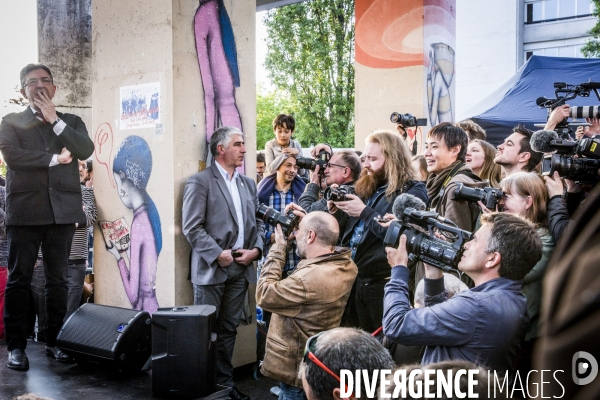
<point x="34" y="82"/>
<point x="309" y="355"/>
<point x="329" y="165"/>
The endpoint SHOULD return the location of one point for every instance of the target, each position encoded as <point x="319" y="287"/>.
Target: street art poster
<point x="217" y="59"/>
<point x="140" y="106"/>
<point x="137" y="263"/>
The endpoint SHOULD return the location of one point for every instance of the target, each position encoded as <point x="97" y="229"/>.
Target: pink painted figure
<point x="217" y="57"/>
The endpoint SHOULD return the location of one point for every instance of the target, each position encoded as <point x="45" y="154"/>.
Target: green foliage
<point x="592" y="48"/>
<point x="311" y="58"/>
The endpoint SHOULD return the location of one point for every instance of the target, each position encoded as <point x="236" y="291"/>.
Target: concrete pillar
<point x="404" y="63"/>
<point x="65" y="45"/>
<point x="150" y="118"/>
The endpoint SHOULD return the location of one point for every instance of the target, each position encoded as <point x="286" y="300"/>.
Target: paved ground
<point x="57" y="381"/>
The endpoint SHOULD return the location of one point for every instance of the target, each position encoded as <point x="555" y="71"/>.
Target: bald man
<point x="310" y="300"/>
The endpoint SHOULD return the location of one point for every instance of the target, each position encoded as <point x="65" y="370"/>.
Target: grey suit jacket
<point x="210" y="224"/>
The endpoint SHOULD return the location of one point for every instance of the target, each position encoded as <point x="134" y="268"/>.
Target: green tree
<point x="311" y="57"/>
<point x="592" y="48"/>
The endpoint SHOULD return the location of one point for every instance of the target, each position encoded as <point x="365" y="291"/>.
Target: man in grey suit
<point x="219" y="220"/>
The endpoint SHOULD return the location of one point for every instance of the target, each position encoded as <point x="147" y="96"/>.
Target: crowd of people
<point x="333" y="295"/>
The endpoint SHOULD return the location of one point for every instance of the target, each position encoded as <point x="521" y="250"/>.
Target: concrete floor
<point x="58" y="381"/>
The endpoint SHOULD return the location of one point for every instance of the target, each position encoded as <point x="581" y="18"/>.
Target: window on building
<point x="552" y="10"/>
<point x="559" y="51"/>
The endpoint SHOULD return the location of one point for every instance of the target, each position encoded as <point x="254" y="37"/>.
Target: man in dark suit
<point x="43" y="205"/>
<point x="219" y="220"/>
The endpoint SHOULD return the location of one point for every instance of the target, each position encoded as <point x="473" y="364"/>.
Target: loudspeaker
<point x="184" y="351"/>
<point x="118" y="338"/>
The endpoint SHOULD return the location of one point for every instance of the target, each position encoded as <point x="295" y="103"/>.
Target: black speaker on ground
<point x="184" y="351"/>
<point x="118" y="338"/>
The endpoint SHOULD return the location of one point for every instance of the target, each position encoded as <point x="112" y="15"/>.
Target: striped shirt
<point x="79" y="246"/>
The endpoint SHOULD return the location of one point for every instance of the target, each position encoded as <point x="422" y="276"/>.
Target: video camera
<point x="565" y="92"/>
<point x="426" y="247"/>
<point x="407" y="120"/>
<point x="289" y="222"/>
<point x="488" y="196"/>
<point x="339" y="193"/>
<point x="311" y="163"/>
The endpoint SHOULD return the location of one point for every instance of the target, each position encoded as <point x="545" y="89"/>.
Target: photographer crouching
<point x="485" y="324"/>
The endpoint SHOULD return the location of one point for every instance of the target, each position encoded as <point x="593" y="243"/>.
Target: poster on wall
<point x="140" y="106"/>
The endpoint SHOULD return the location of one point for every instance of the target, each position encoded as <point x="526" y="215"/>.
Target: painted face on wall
<point x="283" y="134"/>
<point x="124" y="189"/>
<point x="475" y="157"/>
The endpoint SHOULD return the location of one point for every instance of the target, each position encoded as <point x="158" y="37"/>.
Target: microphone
<point x="543" y="101"/>
<point x="405" y="201"/>
<point x="590" y="85"/>
<point x="540" y="141"/>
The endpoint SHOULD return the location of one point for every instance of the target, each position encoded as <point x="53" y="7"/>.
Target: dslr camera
<point x="426" y="247"/>
<point x="488" y="196"/>
<point x="339" y="193"/>
<point x="289" y="222"/>
<point x="407" y="120"/>
<point x="311" y="163"/>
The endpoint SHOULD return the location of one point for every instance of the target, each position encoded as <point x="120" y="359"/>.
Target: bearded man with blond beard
<point x="386" y="174"/>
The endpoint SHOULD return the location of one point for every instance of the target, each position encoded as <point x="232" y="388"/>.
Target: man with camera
<point x="485" y="324"/>
<point x="309" y="301"/>
<point x="516" y="154"/>
<point x="386" y="173"/>
<point x="219" y="222"/>
<point x="342" y="169"/>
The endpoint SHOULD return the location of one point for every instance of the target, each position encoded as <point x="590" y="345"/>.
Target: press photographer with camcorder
<point x="404" y="121"/>
<point x="386" y="173"/>
<point x="342" y="169"/>
<point x="484" y="324"/>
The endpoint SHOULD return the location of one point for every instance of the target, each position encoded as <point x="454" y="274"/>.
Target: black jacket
<point x="37" y="194"/>
<point x="370" y="257"/>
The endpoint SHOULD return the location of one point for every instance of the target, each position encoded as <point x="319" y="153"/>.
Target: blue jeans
<point x="290" y="392"/>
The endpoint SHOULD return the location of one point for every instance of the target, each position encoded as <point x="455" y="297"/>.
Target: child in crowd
<point x="283" y="145"/>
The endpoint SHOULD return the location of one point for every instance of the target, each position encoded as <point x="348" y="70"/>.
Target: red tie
<point x="39" y="115"/>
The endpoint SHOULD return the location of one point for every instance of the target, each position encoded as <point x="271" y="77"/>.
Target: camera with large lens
<point x="311" y="163"/>
<point x="426" y="247"/>
<point x="488" y="196"/>
<point x="289" y="222"/>
<point x="584" y="170"/>
<point x="339" y="193"/>
<point x="407" y="120"/>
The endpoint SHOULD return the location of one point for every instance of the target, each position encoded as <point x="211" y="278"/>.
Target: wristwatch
<point x="56" y="121"/>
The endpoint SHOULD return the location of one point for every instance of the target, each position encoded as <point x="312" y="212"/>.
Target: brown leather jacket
<point x="311" y="300"/>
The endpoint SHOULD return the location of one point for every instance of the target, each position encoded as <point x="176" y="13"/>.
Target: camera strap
<point x="451" y="175"/>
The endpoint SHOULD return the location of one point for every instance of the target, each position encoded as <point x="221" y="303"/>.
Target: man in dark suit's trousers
<point x="43" y="205"/>
<point x="218" y="217"/>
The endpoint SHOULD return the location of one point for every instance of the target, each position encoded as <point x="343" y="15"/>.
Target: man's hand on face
<point x="247" y="256"/>
<point x="352" y="207"/>
<point x="398" y="256"/>
<point x="43" y="102"/>
<point x="279" y="237"/>
<point x="225" y="259"/>
<point x="64" y="157"/>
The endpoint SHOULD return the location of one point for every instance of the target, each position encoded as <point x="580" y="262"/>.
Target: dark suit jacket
<point x="210" y="224"/>
<point x="37" y="194"/>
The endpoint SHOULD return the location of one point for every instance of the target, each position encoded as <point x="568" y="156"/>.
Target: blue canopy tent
<point x="514" y="102"/>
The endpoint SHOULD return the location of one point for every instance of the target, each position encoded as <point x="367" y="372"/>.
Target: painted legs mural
<point x="217" y="58"/>
<point x="141" y="244"/>
<point x="439" y="79"/>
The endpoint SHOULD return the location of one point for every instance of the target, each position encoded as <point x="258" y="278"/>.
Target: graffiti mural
<point x="439" y="79"/>
<point x="217" y="58"/>
<point x="140" y="243"/>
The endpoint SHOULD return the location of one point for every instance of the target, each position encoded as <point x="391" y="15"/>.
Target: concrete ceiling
<point x="262" y="5"/>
